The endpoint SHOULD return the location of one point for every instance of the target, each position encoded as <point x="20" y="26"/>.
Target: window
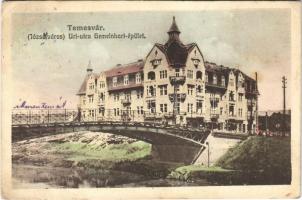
<point x="207" y="78"/>
<point x="231" y="110"/>
<point x="156" y="62"/>
<point x="221" y="110"/>
<point x="102" y="97"/>
<point x="151" y="91"/>
<point x="114" y="81"/>
<point x="116" y="97"/>
<point x="177" y="72"/>
<point x="214" y="102"/>
<point x="199" y="106"/>
<point x="140" y="110"/>
<point x="90" y="98"/>
<point x="126" y="80"/>
<point x="190" y="89"/>
<point x="222" y="81"/>
<point x="128" y="96"/>
<point x="151" y="75"/>
<point x="163" y="89"/>
<point x="214" y="79"/>
<point x="151" y="106"/>
<point x="139" y="94"/>
<point x="91" y="86"/>
<point x="190" y="74"/>
<point x="231" y="96"/>
<point x="138" y="78"/>
<point x="163" y="74"/>
<point x="84" y="101"/>
<point x="190" y="108"/>
<point x="240" y="97"/>
<point x="199" y="75"/>
<point x="240" y="112"/>
<point x="91" y="113"/>
<point x="199" y="89"/>
<point x="102" y="84"/>
<point x="163" y="108"/>
<point x="196" y="62"/>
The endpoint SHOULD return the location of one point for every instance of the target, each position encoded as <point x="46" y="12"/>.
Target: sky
<point x="51" y="71"/>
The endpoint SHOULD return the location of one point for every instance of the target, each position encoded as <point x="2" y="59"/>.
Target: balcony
<point x="177" y="80"/>
<point x="232" y="116"/>
<point x="126" y="101"/>
<point x="214" y="116"/>
<point x="211" y="85"/>
<point x="181" y="97"/>
<point x="150" y="97"/>
<point x="121" y="86"/>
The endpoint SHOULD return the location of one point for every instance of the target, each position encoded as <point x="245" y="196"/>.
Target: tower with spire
<point x="177" y="52"/>
<point x="89" y="68"/>
<point x="174" y="31"/>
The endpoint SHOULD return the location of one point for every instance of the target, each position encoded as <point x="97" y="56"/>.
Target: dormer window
<point x="222" y="81"/>
<point x="195" y="61"/>
<point x="214" y="79"/>
<point x="114" y="81"/>
<point x="126" y="80"/>
<point x="155" y="62"/>
<point x="138" y="78"/>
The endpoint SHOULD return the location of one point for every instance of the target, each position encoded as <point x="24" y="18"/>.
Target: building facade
<point x="173" y="85"/>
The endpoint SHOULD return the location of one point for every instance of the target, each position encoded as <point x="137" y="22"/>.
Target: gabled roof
<point x="82" y="89"/>
<point x="125" y="69"/>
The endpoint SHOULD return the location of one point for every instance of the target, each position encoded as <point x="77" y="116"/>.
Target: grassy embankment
<point x="130" y="157"/>
<point x="257" y="160"/>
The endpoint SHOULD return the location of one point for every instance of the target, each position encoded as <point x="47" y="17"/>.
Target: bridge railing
<point x="41" y="116"/>
<point x="46" y="116"/>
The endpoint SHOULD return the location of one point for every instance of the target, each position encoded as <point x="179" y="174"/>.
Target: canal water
<point x="28" y="176"/>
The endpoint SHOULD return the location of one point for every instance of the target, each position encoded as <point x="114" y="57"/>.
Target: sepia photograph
<point x="148" y="98"/>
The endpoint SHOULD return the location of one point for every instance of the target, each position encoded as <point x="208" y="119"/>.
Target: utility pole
<point x="284" y="86"/>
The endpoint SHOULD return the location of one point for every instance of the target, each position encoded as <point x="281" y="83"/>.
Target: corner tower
<point x="176" y="51"/>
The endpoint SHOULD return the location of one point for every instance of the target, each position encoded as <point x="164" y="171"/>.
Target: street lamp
<point x="207" y="143"/>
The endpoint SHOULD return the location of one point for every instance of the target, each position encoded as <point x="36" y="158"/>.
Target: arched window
<point x="151" y="91"/>
<point x="199" y="75"/>
<point x="151" y="75"/>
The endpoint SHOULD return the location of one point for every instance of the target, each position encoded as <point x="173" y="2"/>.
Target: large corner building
<point x="172" y="85"/>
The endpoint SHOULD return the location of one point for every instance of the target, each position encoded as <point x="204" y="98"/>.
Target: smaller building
<point x="274" y="121"/>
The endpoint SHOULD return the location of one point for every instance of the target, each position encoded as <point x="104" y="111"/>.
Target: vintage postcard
<point x="151" y="100"/>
